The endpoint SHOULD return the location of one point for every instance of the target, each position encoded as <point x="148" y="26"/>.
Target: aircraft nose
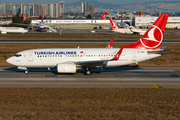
<point x="9" y="60"/>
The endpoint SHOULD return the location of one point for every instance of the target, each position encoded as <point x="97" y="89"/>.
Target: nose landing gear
<point x="26" y="71"/>
<point x="87" y="71"/>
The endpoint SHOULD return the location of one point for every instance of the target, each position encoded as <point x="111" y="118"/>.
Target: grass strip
<point x="90" y="103"/>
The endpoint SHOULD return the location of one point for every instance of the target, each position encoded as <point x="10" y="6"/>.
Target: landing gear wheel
<point x="26" y="71"/>
<point x="88" y="71"/>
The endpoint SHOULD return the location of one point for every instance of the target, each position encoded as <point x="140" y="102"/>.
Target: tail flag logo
<point x="114" y="25"/>
<point x="104" y="16"/>
<point x="152" y="38"/>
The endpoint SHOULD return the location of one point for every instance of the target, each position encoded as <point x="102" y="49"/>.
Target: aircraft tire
<point x="88" y="71"/>
<point x="26" y="72"/>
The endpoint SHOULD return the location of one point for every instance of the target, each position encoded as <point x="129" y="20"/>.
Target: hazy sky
<point x="71" y="1"/>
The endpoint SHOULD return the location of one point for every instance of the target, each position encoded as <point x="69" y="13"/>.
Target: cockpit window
<point x="17" y="55"/>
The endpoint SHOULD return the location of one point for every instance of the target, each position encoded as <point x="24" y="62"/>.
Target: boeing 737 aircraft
<point x="116" y="28"/>
<point x="69" y="60"/>
<point x="5" y="30"/>
<point x="125" y="29"/>
<point x="42" y="24"/>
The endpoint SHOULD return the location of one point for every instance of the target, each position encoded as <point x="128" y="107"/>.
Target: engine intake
<point x="66" y="68"/>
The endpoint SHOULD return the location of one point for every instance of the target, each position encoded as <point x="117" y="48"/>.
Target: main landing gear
<point x="87" y="71"/>
<point x="26" y="71"/>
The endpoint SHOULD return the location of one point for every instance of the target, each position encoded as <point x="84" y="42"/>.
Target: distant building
<point x="37" y="9"/>
<point x="27" y="9"/>
<point x="82" y="7"/>
<point x="85" y="6"/>
<point x="51" y="10"/>
<point x="91" y="9"/>
<point x="44" y="7"/>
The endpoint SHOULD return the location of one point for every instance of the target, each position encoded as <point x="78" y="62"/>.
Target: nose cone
<point x="9" y="60"/>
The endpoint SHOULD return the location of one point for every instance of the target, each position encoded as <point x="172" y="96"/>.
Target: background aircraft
<point x="125" y="29"/>
<point x="5" y="30"/>
<point x="41" y="25"/>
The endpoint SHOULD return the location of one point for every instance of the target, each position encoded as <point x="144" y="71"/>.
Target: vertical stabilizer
<point x="104" y="16"/>
<point x="113" y="24"/>
<point x="42" y="16"/>
<point x="153" y="37"/>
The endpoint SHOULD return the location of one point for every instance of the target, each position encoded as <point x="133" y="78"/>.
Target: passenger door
<point x="30" y="56"/>
<point x="134" y="56"/>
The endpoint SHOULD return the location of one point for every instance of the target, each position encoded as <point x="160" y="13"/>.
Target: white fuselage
<point x="139" y="31"/>
<point x="5" y="30"/>
<point x="50" y="57"/>
<point x="42" y="25"/>
<point x="123" y="30"/>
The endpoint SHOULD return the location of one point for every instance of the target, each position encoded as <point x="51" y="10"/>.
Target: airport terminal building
<point x="173" y="22"/>
<point x="76" y="23"/>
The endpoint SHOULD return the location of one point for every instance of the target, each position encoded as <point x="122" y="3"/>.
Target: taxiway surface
<point x="119" y="77"/>
<point x="65" y="41"/>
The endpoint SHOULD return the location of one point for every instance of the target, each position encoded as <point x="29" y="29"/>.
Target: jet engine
<point x="66" y="68"/>
<point x="3" y="32"/>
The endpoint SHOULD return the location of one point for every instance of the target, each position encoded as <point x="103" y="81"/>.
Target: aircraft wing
<point x="51" y="28"/>
<point x="24" y="24"/>
<point x="90" y="64"/>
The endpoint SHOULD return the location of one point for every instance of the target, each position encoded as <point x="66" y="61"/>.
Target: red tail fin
<point x="113" y="24"/>
<point x="153" y="37"/>
<point x="42" y="16"/>
<point x="121" y="17"/>
<point x="104" y="16"/>
<point x="139" y="14"/>
<point x="25" y="17"/>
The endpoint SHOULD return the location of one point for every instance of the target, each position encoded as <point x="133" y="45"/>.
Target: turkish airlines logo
<point x="152" y="38"/>
<point x="114" y="25"/>
<point x="103" y="16"/>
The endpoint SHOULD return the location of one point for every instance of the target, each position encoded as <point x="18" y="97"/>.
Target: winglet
<point x="110" y="44"/>
<point x="104" y="16"/>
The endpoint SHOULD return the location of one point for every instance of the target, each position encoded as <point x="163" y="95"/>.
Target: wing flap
<point x="89" y="64"/>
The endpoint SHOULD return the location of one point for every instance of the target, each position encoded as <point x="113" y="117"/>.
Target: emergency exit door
<point x="134" y="56"/>
<point x="30" y="56"/>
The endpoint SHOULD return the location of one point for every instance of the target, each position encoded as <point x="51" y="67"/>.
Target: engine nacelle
<point x="3" y="32"/>
<point x="66" y="68"/>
